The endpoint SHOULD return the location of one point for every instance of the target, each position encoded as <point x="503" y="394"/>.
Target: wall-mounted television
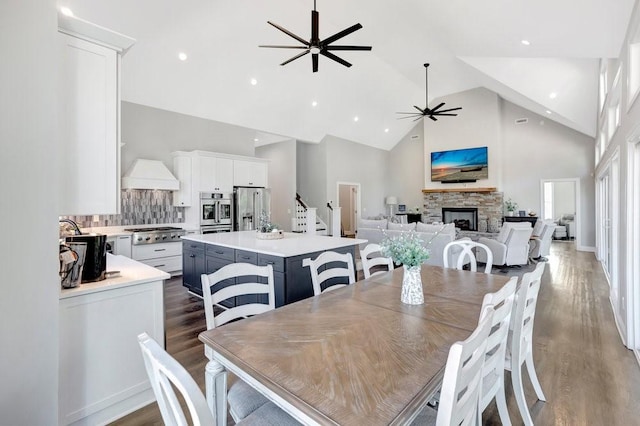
<point x="460" y="165"/>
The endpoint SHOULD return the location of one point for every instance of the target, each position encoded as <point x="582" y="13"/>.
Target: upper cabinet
<point x="250" y="173"/>
<point x="89" y="117"/>
<point x="216" y="174"/>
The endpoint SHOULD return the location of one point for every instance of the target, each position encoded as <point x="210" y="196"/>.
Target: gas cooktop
<point x="153" y="235"/>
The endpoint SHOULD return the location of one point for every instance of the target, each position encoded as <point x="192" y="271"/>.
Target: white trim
<point x="590" y="249"/>
<point x="358" y="199"/>
<point x="616" y="320"/>
<point x="578" y="204"/>
<point x="636" y="352"/>
<point x="633" y="243"/>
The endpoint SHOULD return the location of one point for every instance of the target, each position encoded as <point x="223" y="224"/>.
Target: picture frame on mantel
<point x="522" y="213"/>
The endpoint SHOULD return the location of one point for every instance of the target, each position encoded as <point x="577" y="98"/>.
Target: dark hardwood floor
<point x="588" y="376"/>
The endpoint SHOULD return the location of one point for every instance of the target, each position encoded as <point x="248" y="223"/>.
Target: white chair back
<point x="324" y="275"/>
<point x="466" y="255"/>
<point x="462" y="377"/>
<point x="232" y="271"/>
<point x="521" y="350"/>
<point x="369" y="261"/>
<point x="493" y="370"/>
<point x="164" y="371"/>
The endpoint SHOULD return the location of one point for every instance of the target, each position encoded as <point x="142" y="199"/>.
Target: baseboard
<point x="623" y="336"/>
<point x="636" y="352"/>
<point x="586" y="248"/>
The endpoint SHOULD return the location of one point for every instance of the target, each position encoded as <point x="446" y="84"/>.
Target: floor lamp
<point x="391" y="201"/>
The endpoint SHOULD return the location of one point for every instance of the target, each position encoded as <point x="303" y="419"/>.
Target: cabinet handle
<point x="160" y="249"/>
<point x="271" y="263"/>
<point x="192" y="255"/>
<point x="157" y="266"/>
<point x="123" y="238"/>
<point x="245" y="257"/>
<point x="219" y="252"/>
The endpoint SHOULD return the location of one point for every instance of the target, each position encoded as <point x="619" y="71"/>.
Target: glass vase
<point x="412" y="286"/>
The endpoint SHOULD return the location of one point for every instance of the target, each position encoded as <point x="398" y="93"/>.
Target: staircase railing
<point x="299" y="222"/>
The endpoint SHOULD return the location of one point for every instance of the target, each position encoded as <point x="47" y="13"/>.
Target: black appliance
<point x="95" y="261"/>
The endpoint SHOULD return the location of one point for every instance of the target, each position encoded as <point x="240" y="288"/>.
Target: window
<point x="603" y="85"/>
<point x="548" y="200"/>
<point x="633" y="67"/>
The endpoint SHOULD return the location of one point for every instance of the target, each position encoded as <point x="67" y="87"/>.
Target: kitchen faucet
<point x="76" y="229"/>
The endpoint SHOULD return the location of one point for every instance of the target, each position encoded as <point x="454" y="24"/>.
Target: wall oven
<point x="216" y="212"/>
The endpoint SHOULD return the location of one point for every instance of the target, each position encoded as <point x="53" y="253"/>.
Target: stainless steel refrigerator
<point x="249" y="203"/>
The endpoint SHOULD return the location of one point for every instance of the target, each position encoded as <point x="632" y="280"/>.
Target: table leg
<point x="216" y="388"/>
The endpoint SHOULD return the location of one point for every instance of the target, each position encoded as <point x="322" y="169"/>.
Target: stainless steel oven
<point x="216" y="211"/>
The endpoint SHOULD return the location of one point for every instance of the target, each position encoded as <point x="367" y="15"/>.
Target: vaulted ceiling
<point x="469" y="44"/>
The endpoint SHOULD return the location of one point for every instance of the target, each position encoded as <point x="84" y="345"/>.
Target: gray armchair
<point x="510" y="247"/>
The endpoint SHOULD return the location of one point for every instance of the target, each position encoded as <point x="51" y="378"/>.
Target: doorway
<point x="560" y="201"/>
<point x="349" y="201"/>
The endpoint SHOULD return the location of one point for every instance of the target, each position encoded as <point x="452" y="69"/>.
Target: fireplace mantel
<point x="431" y="191"/>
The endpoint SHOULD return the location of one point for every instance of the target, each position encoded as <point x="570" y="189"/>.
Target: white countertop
<point x="131" y="273"/>
<point x="293" y="244"/>
<point x="112" y="231"/>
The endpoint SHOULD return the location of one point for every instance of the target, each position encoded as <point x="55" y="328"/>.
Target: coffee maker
<point x="95" y="261"/>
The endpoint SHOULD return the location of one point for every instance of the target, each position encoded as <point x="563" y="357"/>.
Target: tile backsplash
<point x="139" y="207"/>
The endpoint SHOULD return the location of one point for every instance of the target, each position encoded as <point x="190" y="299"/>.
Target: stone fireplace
<point x="487" y="201"/>
<point x="465" y="218"/>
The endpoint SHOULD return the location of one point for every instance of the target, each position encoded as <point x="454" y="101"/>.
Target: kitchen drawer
<point x="167" y="264"/>
<point x="192" y="245"/>
<point x="267" y="259"/>
<point x="246" y="257"/>
<point x="221" y="252"/>
<point x="152" y="251"/>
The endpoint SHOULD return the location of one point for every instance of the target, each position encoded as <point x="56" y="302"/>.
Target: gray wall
<point x="544" y="149"/>
<point x="282" y="180"/>
<point x="29" y="173"/>
<point x="311" y="175"/>
<point x="356" y="163"/>
<point x="407" y="166"/>
<point x="564" y="197"/>
<point x="154" y="133"/>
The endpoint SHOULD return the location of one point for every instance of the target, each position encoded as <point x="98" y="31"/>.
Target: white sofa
<point x="435" y="237"/>
<point x="511" y="246"/>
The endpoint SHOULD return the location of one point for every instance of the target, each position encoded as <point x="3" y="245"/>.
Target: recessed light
<point x="66" y="11"/>
<point x="256" y="139"/>
<point x="182" y="56"/>
<point x="525" y="42"/>
<point x="254" y="81"/>
<point x="314" y="104"/>
<point x="553" y="95"/>
<point x="356" y="118"/>
<point x="548" y="112"/>
<point x="386" y="130"/>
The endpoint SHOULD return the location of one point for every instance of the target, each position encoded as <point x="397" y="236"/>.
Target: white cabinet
<point x="165" y="256"/>
<point x="89" y="117"/>
<point x="123" y="245"/>
<point x="249" y="173"/>
<point x="216" y="174"/>
<point x="182" y="170"/>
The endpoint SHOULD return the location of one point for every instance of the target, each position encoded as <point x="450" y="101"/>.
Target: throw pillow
<point x="427" y="227"/>
<point x="401" y="226"/>
<point x="373" y="223"/>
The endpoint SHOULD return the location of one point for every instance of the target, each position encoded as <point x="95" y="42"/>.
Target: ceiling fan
<point x="427" y="112"/>
<point x="315" y="46"/>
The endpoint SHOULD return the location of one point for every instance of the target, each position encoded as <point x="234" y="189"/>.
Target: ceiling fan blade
<point x="452" y="115"/>
<point x="335" y="58"/>
<point x="289" y="33"/>
<point x="413" y="113"/>
<point x="283" y="47"/>
<point x="315" y="31"/>
<point x="447" y="110"/>
<point x="348" y="48"/>
<point x="314" y="60"/>
<point x="439" y="106"/>
<point x="295" y="57"/>
<point x="422" y="111"/>
<point x="433" y="118"/>
<point x="343" y="33"/>
<point x="418" y="116"/>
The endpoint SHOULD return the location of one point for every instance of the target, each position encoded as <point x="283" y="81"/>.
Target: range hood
<point x="149" y="174"/>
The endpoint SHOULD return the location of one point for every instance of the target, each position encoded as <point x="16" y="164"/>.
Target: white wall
<point x="544" y="149"/>
<point x="28" y="171"/>
<point x="282" y="180"/>
<point x="154" y="133"/>
<point x="477" y="124"/>
<point x="564" y="199"/>
<point x="407" y="167"/>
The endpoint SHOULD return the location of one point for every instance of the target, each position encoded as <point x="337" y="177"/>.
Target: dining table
<point x="352" y="356"/>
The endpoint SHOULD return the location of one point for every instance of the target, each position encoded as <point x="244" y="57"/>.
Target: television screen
<point x="460" y="165"/>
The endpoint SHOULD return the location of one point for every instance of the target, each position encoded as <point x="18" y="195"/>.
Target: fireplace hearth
<point x="463" y="218"/>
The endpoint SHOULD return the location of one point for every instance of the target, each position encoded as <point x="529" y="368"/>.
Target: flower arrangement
<point x="406" y="249"/>
<point x="510" y="205"/>
<point x="265" y="223"/>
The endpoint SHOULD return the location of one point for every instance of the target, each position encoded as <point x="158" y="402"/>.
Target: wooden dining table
<point x="352" y="356"/>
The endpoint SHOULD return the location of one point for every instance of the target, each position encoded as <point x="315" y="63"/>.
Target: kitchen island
<point x="205" y="254"/>
<point x="101" y="371"/>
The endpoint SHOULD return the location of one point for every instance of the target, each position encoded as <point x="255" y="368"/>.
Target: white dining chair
<point x="520" y="351"/>
<point x="462" y="379"/>
<point x="242" y="398"/>
<point x="369" y="261"/>
<point x="326" y="277"/>
<point x="466" y="255"/>
<point x="166" y="375"/>
<point x="493" y="370"/>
